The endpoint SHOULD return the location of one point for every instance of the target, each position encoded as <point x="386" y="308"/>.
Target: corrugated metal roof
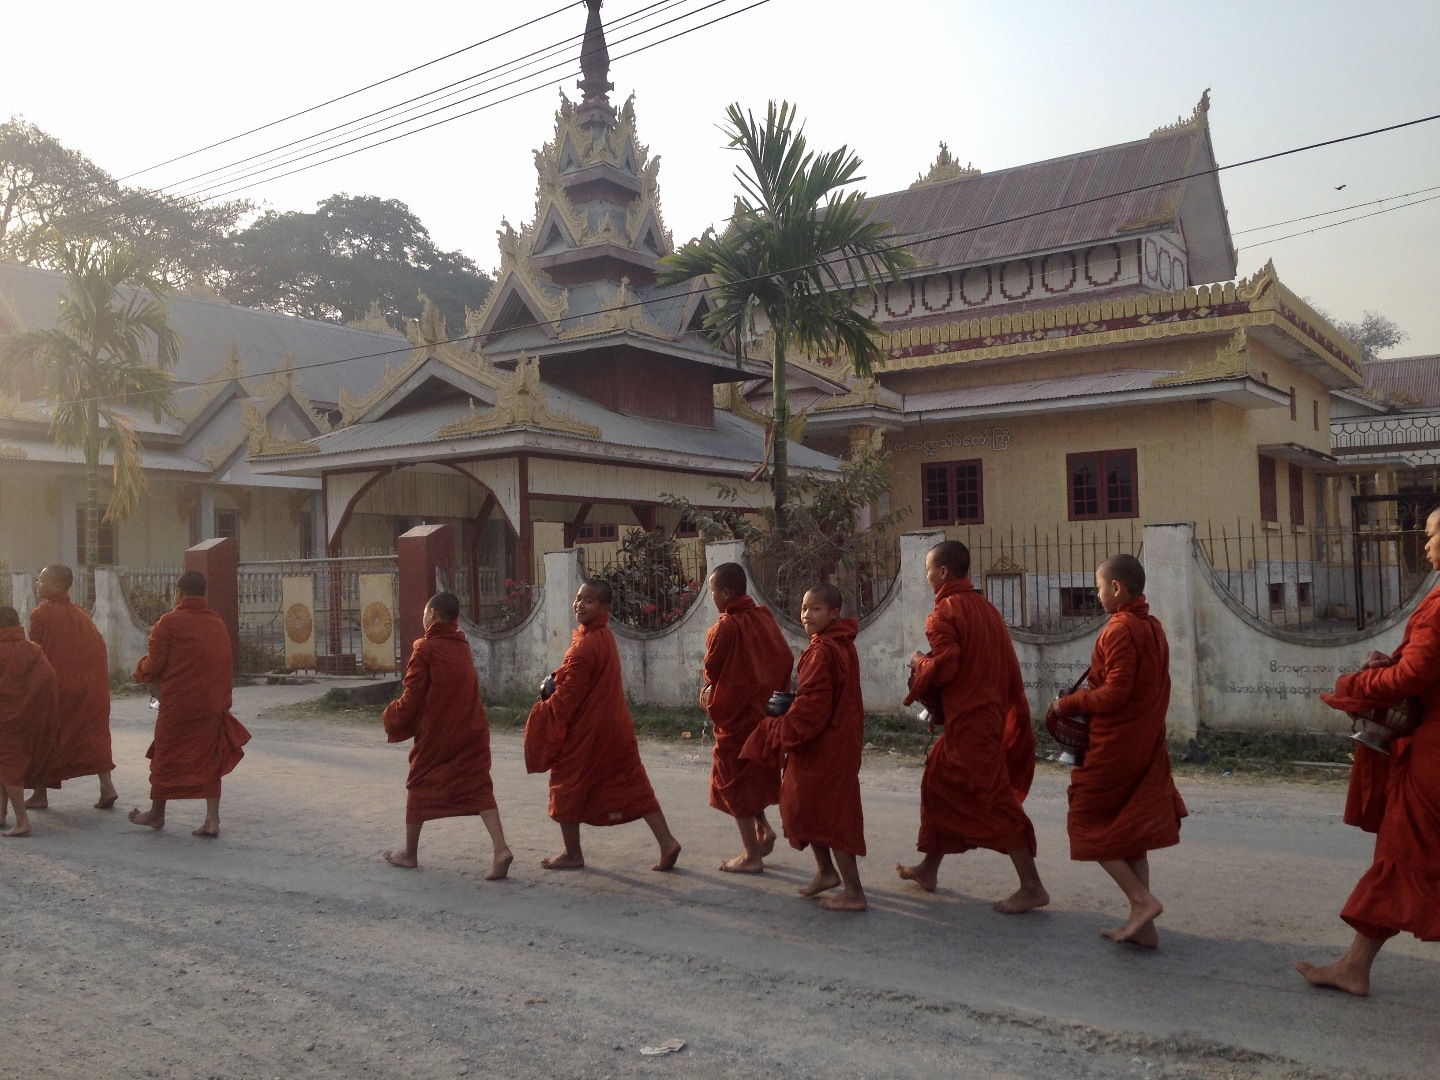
<point x="1104" y="382"/>
<point x="1407" y="379"/>
<point x="46" y="452"/>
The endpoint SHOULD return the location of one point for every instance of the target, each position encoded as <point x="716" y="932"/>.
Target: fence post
<point x="917" y="599"/>
<point x="1169" y="557"/>
<point x="219" y="561"/>
<point x="422" y="551"/>
<point x="22" y="593"/>
<point x="564" y="570"/>
<point x="125" y="637"/>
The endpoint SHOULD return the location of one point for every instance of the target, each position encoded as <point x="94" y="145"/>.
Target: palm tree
<point x="797" y="250"/>
<point x="93" y="365"/>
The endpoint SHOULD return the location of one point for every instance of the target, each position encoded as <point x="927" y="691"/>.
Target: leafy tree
<point x="353" y="250"/>
<point x="1374" y="333"/>
<point x="93" y="367"/>
<point x="796" y="249"/>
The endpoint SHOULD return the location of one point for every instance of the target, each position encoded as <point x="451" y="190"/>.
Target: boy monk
<point x="583" y="734"/>
<point x="1123" y="801"/>
<point x="440" y="709"/>
<point x="197" y="741"/>
<point x="27" y="711"/>
<point x="820" y="738"/>
<point x="746" y="660"/>
<point x="1401" y="890"/>
<point x="980" y="768"/>
<point x="76" y="651"/>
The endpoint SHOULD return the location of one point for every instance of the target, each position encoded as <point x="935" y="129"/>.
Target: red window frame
<point x="1102" y="485"/>
<point x="1269" y="496"/>
<point x="1297" y="495"/>
<point x="597" y="534"/>
<point x="952" y="493"/>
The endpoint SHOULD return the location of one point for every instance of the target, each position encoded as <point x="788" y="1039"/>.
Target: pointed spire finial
<point x="595" y="66"/>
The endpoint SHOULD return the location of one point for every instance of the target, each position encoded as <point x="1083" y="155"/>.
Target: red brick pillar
<point x="422" y="550"/>
<point x="219" y="561"/>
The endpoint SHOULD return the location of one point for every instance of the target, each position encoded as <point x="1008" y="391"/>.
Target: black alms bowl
<point x="779" y="703"/>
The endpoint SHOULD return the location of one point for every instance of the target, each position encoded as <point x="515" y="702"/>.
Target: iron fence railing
<point x="488" y="601"/>
<point x="864" y="569"/>
<point x="1043" y="582"/>
<point x="149" y="590"/>
<point x="653" y="577"/>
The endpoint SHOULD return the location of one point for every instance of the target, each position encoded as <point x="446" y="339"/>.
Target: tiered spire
<point x="595" y="107"/>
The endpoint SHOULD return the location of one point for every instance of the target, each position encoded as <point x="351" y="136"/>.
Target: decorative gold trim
<point x="1197" y="121"/>
<point x="620" y="312"/>
<point x="264" y="443"/>
<point x="374" y="321"/>
<point x="1006" y="565"/>
<point x="862" y="392"/>
<point x="521" y="403"/>
<point x="945" y="167"/>
<point x="1228" y="361"/>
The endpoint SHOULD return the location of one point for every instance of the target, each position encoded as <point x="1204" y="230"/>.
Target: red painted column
<point x="421" y="550"/>
<point x="219" y="561"/>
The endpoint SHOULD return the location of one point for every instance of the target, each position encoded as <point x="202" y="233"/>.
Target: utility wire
<point x="1331" y="225"/>
<point x="1337" y="210"/>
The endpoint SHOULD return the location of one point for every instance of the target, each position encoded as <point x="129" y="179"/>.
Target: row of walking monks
<point x="1123" y="802"/>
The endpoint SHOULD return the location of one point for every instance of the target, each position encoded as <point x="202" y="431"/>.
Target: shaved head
<point x="953" y="556"/>
<point x="1125" y="569"/>
<point x="446" y="606"/>
<point x="9" y="617"/>
<point x="59" y="575"/>
<point x="729" y="577"/>
<point x="827" y="594"/>
<point x="191" y="583"/>
<point x="603" y="592"/>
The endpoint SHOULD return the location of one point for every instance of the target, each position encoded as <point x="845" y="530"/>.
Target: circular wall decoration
<point x="299" y="624"/>
<point x="378" y="623"/>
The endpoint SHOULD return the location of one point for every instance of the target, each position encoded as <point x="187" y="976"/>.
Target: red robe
<point x="980" y="768"/>
<point x="746" y="660"/>
<point x="820" y="739"/>
<point x="584" y="736"/>
<point x="1123" y="801"/>
<point x="197" y="741"/>
<point x="440" y="709"/>
<point x="1401" y="890"/>
<point x="76" y="651"/>
<point x="27" y="709"/>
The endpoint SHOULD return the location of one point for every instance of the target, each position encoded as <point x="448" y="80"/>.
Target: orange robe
<point x="1123" y="801"/>
<point x="27" y="709"/>
<point x="746" y="660"/>
<point x="440" y="709"/>
<point x="820" y="738"/>
<point x="584" y="736"/>
<point x="1401" y="890"/>
<point x="980" y="768"/>
<point x="76" y="651"/>
<point x="197" y="741"/>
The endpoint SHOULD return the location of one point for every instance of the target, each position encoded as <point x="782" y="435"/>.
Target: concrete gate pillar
<point x="564" y="571"/>
<point x="219" y="561"/>
<point x="1169" y="558"/>
<point x="422" y="551"/>
<point x="917" y="599"/>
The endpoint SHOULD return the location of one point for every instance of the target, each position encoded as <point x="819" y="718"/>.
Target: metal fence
<point x="149" y="590"/>
<point x="488" y="601"/>
<point x="337" y="611"/>
<point x="653" y="577"/>
<point x="1044" y="582"/>
<point x="1321" y="579"/>
<point x="864" y="569"/>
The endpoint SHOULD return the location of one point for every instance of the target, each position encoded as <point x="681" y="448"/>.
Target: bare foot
<point x="35" y="802"/>
<point x="564" y="861"/>
<point x="18" y="830"/>
<point x="147" y="817"/>
<point x="400" y="859"/>
<point x="743" y="864"/>
<point x="210" y="830"/>
<point x="844" y="902"/>
<point x="1337" y="976"/>
<point x="927" y="879"/>
<point x="501" y="865"/>
<point x="820" y="883"/>
<point x="767" y="843"/>
<point x="1141" y="915"/>
<point x="107" y="801"/>
<point x="1021" y="901"/>
<point x="1147" y="937"/>
<point x="669" y="856"/>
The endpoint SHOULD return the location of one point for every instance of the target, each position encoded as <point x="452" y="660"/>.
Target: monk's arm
<point x="573" y="683"/>
<point x="718" y="646"/>
<point x="942" y="665"/>
<point x="1119" y="661"/>
<point x="811" y="711"/>
<point x="152" y="664"/>
<point x="402" y="717"/>
<point x="1416" y="669"/>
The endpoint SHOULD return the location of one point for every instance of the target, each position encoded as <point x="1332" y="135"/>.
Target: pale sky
<point x="1002" y="83"/>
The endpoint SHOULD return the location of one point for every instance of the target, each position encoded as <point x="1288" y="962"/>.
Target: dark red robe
<point x="1399" y="797"/>
<point x="76" y="651"/>
<point x="821" y="739"/>
<point x="1123" y="800"/>
<point x="441" y="710"/>
<point x="584" y="736"/>
<point x="197" y="741"/>
<point x="980" y="768"/>
<point x="27" y="710"/>
<point x="746" y="660"/>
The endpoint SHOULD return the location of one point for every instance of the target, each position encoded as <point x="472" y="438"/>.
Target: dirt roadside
<point x="287" y="948"/>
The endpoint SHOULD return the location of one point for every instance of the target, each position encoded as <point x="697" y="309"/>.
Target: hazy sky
<point x="1002" y="83"/>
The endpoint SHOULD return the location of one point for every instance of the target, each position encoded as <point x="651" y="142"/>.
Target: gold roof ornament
<point x="945" y="167"/>
<point x="374" y="321"/>
<point x="429" y="329"/>
<point x="621" y="311"/>
<point x="521" y="402"/>
<point x="1228" y="361"/>
<point x="1197" y="121"/>
<point x="264" y="443"/>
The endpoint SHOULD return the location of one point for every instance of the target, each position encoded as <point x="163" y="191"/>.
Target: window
<point x="1102" y="485"/>
<point x="597" y="534"/>
<point x="1297" y="495"/>
<point x="1277" y="595"/>
<point x="307" y="536"/>
<point x="1302" y="593"/>
<point x="1080" y="603"/>
<point x="1292" y="403"/>
<point x="687" y="527"/>
<point x="1315" y="413"/>
<point x="105" y="555"/>
<point x="953" y="493"/>
<point x="227" y="523"/>
<point x="1269" y="503"/>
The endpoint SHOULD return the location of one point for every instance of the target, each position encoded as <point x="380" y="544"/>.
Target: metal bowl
<point x="779" y="703"/>
<point x="547" y="687"/>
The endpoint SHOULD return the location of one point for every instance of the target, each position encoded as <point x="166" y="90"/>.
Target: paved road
<point x="286" y="948"/>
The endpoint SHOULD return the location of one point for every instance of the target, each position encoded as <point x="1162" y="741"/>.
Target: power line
<point x="1346" y="221"/>
<point x="1337" y="210"/>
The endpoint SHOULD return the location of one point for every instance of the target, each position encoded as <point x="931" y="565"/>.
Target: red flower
<point x="649" y="609"/>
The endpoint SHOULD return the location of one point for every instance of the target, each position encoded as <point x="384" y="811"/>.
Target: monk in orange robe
<point x="27" y="713"/>
<point x="980" y="768"/>
<point x="1396" y="797"/>
<point x="76" y="651"/>
<point x="197" y="741"/>
<point x="583" y="735"/>
<point x="1123" y="801"/>
<point x="746" y="660"/>
<point x="820" y="740"/>
<point x="441" y="710"/>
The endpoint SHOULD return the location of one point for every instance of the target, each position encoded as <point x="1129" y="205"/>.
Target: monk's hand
<point x="705" y="696"/>
<point x="1378" y="660"/>
<point x="915" y="659"/>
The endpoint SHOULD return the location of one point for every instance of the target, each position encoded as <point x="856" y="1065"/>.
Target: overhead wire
<point x="1337" y="210"/>
<point x="1333" y="224"/>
